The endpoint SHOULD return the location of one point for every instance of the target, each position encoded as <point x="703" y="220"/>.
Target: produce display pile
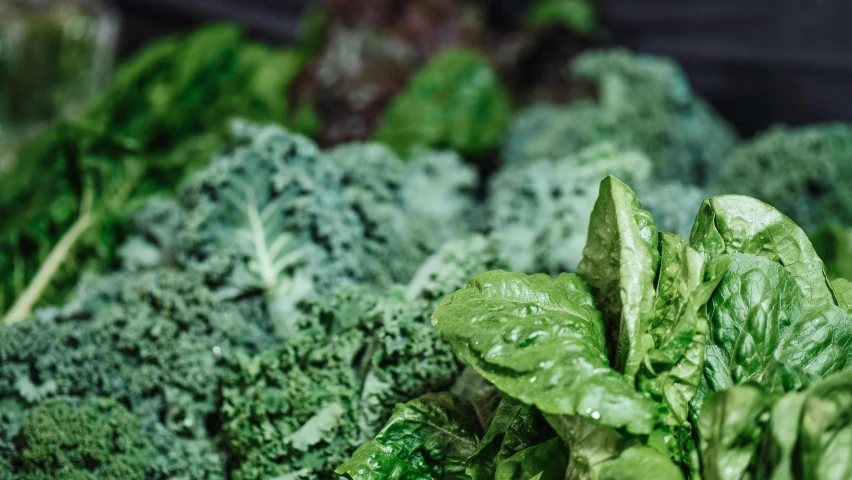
<point x="206" y="276"/>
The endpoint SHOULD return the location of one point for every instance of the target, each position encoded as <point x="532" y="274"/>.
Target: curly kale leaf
<point x="303" y="408"/>
<point x="806" y="173"/>
<point x="99" y="439"/>
<point x="644" y="103"/>
<point x="158" y="342"/>
<point x="540" y="212"/>
<point x="450" y="268"/>
<point x="63" y="208"/>
<point x="275" y="216"/>
<point x="456" y="101"/>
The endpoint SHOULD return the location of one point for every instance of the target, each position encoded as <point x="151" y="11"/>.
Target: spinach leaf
<point x="541" y="340"/>
<point x="430" y="437"/>
<point x="516" y="427"/>
<point x="672" y="368"/>
<point x="732" y="425"/>
<point x="843" y="292"/>
<point x="546" y="461"/>
<point x="749" y="432"/>
<point x="735" y="224"/>
<point x="826" y="429"/>
<point x="638" y="463"/>
<point x="619" y="264"/>
<point x="762" y="329"/>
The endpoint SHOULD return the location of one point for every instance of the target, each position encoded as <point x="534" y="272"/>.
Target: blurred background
<point x="105" y="104"/>
<point x="759" y="62"/>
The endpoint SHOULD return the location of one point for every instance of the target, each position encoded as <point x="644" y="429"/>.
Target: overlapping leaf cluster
<point x="63" y="207"/>
<point x="279" y="273"/>
<point x="722" y="357"/>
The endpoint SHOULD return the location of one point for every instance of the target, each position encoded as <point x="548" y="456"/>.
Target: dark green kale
<point x="157" y="342"/>
<point x="302" y="409"/>
<point x="273" y="215"/>
<point x="99" y="439"/>
<point x="644" y="103"/>
<point x="805" y="172"/>
<point x="63" y="208"/>
<point x="455" y="101"/>
<point x="539" y="213"/>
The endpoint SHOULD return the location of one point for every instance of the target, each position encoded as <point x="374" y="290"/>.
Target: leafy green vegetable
<point x="158" y="342"/>
<point x="430" y="437"/>
<point x="804" y="172"/>
<point x="100" y="439"/>
<point x="539" y="213"/>
<point x="306" y="406"/>
<point x="619" y="263"/>
<point x="643" y="103"/>
<point x="834" y="246"/>
<point x="750" y="433"/>
<point x="732" y="224"/>
<point x="672" y="368"/>
<point x="63" y="209"/>
<point x="732" y="425"/>
<point x="456" y="100"/>
<point x="516" y="427"/>
<point x="843" y="291"/>
<point x="576" y="15"/>
<point x="541" y="340"/>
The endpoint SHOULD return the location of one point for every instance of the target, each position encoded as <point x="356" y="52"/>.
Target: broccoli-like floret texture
<point x="540" y="212"/>
<point x="300" y="410"/>
<point x="100" y="439"/>
<point x="450" y="268"/>
<point x="273" y="215"/>
<point x="158" y="342"/>
<point x="672" y="204"/>
<point x="804" y="172"/>
<point x="644" y="103"/>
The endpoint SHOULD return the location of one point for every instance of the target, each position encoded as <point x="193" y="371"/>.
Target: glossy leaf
<point x="430" y="437"/>
<point x="735" y="224"/>
<point x="541" y="340"/>
<point x="619" y="263"/>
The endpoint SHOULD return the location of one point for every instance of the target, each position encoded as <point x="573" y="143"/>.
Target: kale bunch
<point x="539" y="212"/>
<point x="275" y="217"/>
<point x="643" y="103"/>
<point x="99" y="439"/>
<point x="804" y="172"/>
<point x="301" y="409"/>
<point x="64" y="205"/>
<point x="157" y="342"/>
<point x="725" y="356"/>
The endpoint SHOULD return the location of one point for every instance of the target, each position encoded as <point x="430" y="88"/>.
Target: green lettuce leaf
<point x="732" y="224"/>
<point x="430" y="437"/>
<point x="672" y="369"/>
<point x="619" y="263"/>
<point x="546" y="461"/>
<point x="515" y="427"/>
<point x="732" y="426"/>
<point x="843" y="292"/>
<point x="541" y="340"/>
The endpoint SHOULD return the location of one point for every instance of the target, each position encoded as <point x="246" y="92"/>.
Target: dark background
<point x="758" y="61"/>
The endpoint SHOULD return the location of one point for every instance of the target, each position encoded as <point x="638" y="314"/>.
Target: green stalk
<point x="23" y="306"/>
